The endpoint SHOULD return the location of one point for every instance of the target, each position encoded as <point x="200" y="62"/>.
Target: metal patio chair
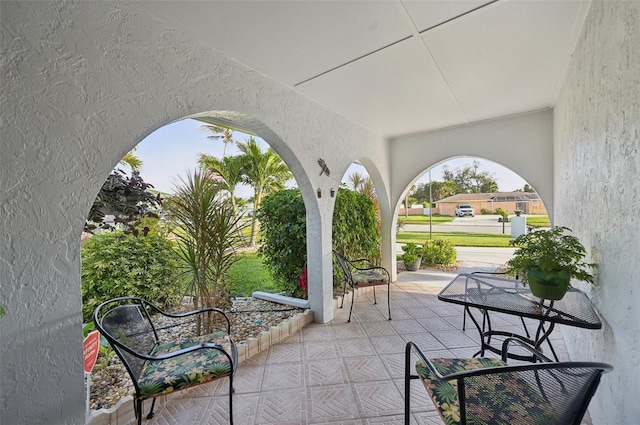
<point x="362" y="273"/>
<point x="157" y="362"/>
<point x="490" y="392"/>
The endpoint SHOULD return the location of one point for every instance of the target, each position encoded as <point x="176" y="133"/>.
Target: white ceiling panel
<point x="427" y="14"/>
<point x="506" y="58"/>
<point x="396" y="66"/>
<point x="291" y="41"/>
<point x="395" y="91"/>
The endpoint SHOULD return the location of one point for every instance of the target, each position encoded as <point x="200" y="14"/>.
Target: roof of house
<point x="495" y="196"/>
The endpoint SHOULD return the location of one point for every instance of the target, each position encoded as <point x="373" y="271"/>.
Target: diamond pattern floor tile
<point x="355" y="347"/>
<point x="379" y="398"/>
<point x="363" y="369"/>
<point x="321" y="350"/>
<point x="285" y="353"/>
<point x="343" y="373"/>
<point x="283" y="376"/>
<point x="331" y="404"/>
<point x="282" y="407"/>
<point x="326" y="372"/>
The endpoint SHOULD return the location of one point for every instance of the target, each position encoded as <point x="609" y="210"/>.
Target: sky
<point x="170" y="153"/>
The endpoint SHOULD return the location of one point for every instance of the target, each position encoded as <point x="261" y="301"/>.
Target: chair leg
<point x="464" y="320"/>
<point x="389" y="299"/>
<point x="151" y="413"/>
<point x="353" y="290"/>
<point x="375" y="301"/>
<point x="407" y="386"/>
<point x="231" y="390"/>
<point x="137" y="409"/>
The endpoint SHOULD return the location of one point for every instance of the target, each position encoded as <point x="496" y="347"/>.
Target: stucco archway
<point x="66" y="128"/>
<point x="522" y="143"/>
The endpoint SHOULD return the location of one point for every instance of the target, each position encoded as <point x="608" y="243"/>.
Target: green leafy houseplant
<point x="411" y="256"/>
<point x="550" y="258"/>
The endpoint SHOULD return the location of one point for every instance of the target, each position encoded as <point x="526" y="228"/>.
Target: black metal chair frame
<point x="543" y="363"/>
<point x="124" y="352"/>
<point x="347" y="265"/>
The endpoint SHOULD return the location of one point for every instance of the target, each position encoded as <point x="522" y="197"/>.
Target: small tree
<point x="208" y="231"/>
<point x="126" y="198"/>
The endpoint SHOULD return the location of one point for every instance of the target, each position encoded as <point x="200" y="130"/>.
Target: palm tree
<point x="230" y="168"/>
<point x="132" y="160"/>
<point x="220" y="133"/>
<point x="357" y="180"/>
<point x="265" y="172"/>
<point x="207" y="234"/>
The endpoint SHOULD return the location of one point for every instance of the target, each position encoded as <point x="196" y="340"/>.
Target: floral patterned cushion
<point x="200" y="366"/>
<point x="500" y="399"/>
<point x="369" y="278"/>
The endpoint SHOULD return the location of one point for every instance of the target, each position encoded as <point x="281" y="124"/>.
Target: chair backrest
<point x="553" y="393"/>
<point x="126" y="324"/>
<point x="344" y="265"/>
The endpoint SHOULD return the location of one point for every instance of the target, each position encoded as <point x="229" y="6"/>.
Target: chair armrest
<point x="413" y="347"/>
<point x="538" y="356"/>
<point x="200" y="311"/>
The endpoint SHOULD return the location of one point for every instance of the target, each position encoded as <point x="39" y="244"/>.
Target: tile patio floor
<point x="343" y="373"/>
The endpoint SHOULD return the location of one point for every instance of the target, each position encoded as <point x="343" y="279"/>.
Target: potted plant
<point x="411" y="256"/>
<point x="547" y="260"/>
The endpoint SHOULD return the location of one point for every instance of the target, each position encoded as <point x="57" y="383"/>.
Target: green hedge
<point x="118" y="265"/>
<point x="283" y="231"/>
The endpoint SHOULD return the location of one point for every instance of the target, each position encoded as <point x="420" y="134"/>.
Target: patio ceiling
<point x="396" y="67"/>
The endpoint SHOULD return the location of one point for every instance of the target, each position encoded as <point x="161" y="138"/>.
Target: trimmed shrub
<point x="283" y="231"/>
<point x="283" y="234"/>
<point x="118" y="265"/>
<point x="438" y="252"/>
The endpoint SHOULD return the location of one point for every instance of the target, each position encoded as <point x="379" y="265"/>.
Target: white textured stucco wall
<point x="597" y="194"/>
<point x="522" y="143"/>
<point x="82" y="83"/>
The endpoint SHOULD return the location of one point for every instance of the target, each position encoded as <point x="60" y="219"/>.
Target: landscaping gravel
<point x="249" y="317"/>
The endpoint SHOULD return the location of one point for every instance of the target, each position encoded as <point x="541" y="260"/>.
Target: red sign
<point x="91" y="346"/>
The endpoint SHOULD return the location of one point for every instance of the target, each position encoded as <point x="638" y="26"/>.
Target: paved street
<point x="479" y="223"/>
<point x="476" y="258"/>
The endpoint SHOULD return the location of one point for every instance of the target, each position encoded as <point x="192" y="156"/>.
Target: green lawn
<point x="492" y="240"/>
<point x="249" y="274"/>
<point x="538" y="221"/>
<point x="424" y="219"/>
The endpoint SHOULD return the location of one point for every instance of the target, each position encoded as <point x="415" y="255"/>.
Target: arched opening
<point x="469" y="202"/>
<point x="173" y="152"/>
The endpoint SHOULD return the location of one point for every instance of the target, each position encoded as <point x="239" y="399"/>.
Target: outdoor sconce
<point x="319" y="193"/>
<point x="333" y="193"/>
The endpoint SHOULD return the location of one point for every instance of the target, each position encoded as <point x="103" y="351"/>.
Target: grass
<point x="249" y="274"/>
<point x="538" y="221"/>
<point x="424" y="219"/>
<point x="491" y="240"/>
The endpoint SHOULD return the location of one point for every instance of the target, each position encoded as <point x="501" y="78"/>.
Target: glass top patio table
<point x="493" y="294"/>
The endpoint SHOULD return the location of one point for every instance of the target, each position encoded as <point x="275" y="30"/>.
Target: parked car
<point x="464" y="209"/>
